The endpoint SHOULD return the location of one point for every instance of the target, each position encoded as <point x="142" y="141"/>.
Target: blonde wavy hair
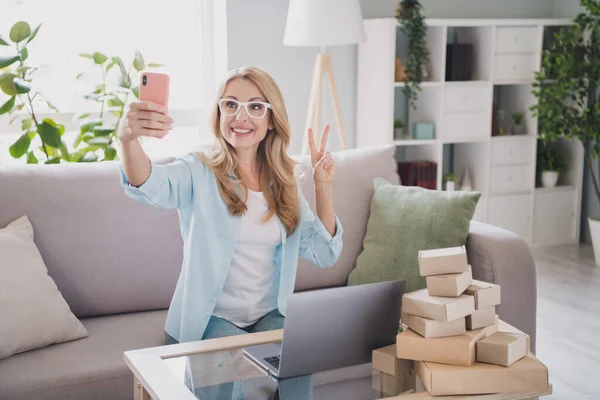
<point x="275" y="167"/>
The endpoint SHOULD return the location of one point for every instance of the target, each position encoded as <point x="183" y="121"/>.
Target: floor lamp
<point x="323" y="23"/>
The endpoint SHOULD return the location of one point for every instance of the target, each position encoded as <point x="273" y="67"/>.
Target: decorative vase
<point x="466" y="181"/>
<point x="549" y="179"/>
<point x="450" y="186"/>
<point x="518" y="129"/>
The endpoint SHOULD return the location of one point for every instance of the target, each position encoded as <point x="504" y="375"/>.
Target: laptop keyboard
<point x="274" y="361"/>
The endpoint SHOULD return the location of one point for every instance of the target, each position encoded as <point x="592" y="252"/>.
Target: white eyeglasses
<point x="255" y="109"/>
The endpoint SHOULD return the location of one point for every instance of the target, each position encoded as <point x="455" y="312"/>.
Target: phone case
<point x="156" y="87"/>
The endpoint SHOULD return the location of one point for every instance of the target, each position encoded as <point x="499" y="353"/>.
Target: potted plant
<point x="566" y="88"/>
<point x="450" y="180"/>
<point x="518" y="128"/>
<point x="398" y="129"/>
<point x="550" y="164"/>
<point x="411" y="22"/>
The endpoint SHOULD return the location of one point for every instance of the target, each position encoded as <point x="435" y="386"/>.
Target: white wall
<point x="487" y="8"/>
<point x="255" y="37"/>
<point x="565" y="8"/>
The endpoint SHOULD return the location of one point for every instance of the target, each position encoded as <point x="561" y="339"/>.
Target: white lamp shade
<point x="324" y="23"/>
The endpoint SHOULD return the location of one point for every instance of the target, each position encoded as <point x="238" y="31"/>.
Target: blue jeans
<point x="289" y="389"/>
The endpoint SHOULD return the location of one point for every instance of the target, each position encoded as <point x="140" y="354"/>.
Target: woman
<point x="243" y="218"/>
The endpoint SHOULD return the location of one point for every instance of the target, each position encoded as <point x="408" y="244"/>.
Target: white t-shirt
<point x="245" y="297"/>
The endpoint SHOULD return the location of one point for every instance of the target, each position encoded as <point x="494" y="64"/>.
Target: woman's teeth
<point x="241" y="131"/>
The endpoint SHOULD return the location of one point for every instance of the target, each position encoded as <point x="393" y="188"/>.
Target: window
<point x="178" y="34"/>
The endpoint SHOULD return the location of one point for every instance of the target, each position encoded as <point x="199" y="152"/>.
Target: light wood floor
<point x="568" y="320"/>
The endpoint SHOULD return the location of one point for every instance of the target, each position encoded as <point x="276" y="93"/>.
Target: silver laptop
<point x="332" y="328"/>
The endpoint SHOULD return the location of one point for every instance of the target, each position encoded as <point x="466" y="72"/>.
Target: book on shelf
<point x="418" y="173"/>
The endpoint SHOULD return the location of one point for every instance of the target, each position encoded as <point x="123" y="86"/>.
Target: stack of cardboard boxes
<point x="455" y="338"/>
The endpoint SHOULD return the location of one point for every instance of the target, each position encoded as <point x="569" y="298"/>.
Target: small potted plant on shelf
<point x="518" y="128"/>
<point x="450" y="180"/>
<point x="398" y="129"/>
<point x="550" y="163"/>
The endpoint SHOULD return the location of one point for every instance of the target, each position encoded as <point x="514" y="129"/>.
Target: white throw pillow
<point x="33" y="313"/>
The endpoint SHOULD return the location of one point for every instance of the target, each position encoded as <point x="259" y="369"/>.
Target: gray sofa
<point x="116" y="263"/>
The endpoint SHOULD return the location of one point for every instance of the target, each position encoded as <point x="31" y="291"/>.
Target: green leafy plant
<point x="518" y="118"/>
<point x="98" y="133"/>
<point x="567" y="86"/>
<point x="412" y="24"/>
<point x="551" y="159"/>
<point x="16" y="81"/>
<point x="398" y="124"/>
<point x="450" y="177"/>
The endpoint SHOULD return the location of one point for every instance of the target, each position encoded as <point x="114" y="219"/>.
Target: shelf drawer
<point x="510" y="67"/>
<point x="468" y="98"/>
<point x="511" y="151"/>
<point x="512" y="213"/>
<point x="516" y="40"/>
<point x="510" y="179"/>
<point x="466" y="125"/>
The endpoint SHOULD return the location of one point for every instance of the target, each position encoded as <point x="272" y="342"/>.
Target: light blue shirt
<point x="210" y="234"/>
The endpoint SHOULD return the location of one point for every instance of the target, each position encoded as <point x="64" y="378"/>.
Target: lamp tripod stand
<point x="313" y="118"/>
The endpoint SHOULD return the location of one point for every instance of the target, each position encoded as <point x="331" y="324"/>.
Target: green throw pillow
<point x="405" y="220"/>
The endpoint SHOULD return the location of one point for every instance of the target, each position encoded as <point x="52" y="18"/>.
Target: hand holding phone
<point x="148" y="116"/>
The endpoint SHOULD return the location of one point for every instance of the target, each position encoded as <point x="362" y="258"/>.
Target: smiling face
<point x="241" y="130"/>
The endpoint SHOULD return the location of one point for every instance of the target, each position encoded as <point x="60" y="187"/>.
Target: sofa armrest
<point x="504" y="258"/>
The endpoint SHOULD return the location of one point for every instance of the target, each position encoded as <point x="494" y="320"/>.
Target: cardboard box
<point x="485" y="294"/>
<point x="451" y="260"/>
<point x="528" y="375"/>
<point x="455" y="350"/>
<point x="385" y="360"/>
<point x="502" y="348"/>
<point x="430" y="328"/>
<point x="451" y="285"/>
<point x="504" y="327"/>
<point x="389" y="385"/>
<point x="420" y="303"/>
<point x="481" y="318"/>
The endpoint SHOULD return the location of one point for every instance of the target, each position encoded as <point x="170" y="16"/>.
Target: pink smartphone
<point x="154" y="87"/>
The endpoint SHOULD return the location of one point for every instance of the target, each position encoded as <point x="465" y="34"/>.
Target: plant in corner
<point x="550" y="164"/>
<point x="16" y="81"/>
<point x="567" y="92"/>
<point x="98" y="133"/>
<point x="412" y="24"/>
<point x="518" y="128"/>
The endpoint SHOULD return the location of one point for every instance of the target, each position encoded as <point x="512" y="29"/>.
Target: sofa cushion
<point x="405" y="220"/>
<point x="33" y="313"/>
<point x="90" y="368"/>
<point x="352" y="193"/>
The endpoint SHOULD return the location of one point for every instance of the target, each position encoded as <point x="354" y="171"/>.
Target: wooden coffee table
<point x="189" y="371"/>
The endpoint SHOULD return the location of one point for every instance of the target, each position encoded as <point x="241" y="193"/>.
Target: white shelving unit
<point x="506" y="53"/>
